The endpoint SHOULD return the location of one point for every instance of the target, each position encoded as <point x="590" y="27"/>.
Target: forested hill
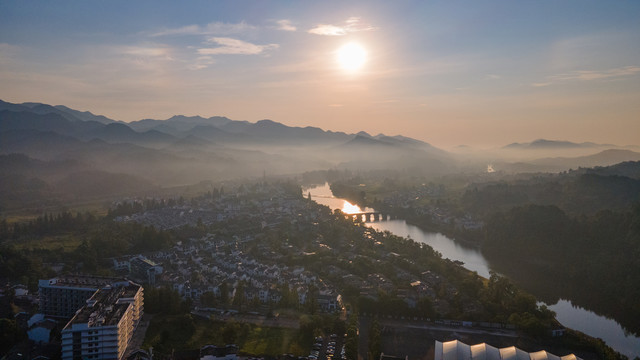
<point x="573" y="235"/>
<point x="583" y="191"/>
<point x="592" y="260"/>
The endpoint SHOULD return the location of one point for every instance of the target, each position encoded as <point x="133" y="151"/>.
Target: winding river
<point x="569" y="315"/>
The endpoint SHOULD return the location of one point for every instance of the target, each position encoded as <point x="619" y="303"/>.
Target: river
<point x="569" y="315"/>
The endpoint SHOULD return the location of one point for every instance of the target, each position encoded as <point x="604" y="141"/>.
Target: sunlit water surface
<point x="569" y="315"/>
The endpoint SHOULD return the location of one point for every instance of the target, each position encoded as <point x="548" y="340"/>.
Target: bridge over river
<point x="369" y="216"/>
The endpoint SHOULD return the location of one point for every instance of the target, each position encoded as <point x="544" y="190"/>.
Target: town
<point x="265" y="254"/>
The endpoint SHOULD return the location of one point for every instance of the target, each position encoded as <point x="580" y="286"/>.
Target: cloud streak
<point x="590" y="75"/>
<point x="230" y="46"/>
<point x="352" y="24"/>
<point x="151" y="52"/>
<point x="214" y="28"/>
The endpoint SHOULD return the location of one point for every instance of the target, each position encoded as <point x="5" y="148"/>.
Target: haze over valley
<point x="330" y="180"/>
<point x="77" y="154"/>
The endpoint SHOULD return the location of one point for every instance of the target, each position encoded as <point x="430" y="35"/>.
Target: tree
<point x="230" y="332"/>
<point x="208" y="299"/>
<point x="375" y="341"/>
<point x="224" y="293"/>
<point x="425" y="307"/>
<point x="351" y="341"/>
<point x="9" y="334"/>
<point x="312" y="299"/>
<point x="239" y="298"/>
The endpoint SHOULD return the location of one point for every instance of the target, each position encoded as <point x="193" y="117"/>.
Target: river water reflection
<point x="570" y="316"/>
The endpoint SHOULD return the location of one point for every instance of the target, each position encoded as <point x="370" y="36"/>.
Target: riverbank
<point x="572" y="317"/>
<point x="464" y="238"/>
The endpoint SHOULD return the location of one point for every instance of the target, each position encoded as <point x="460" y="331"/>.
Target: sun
<point x="351" y="57"/>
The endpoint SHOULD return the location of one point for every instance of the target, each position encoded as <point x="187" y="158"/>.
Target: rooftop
<point x="456" y="350"/>
<point x="82" y="281"/>
<point x="103" y="308"/>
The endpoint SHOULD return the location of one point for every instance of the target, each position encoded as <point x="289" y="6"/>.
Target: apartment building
<point x="104" y="326"/>
<point x="62" y="296"/>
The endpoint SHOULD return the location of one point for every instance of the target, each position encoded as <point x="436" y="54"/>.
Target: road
<point x="138" y="335"/>
<point x="447" y="328"/>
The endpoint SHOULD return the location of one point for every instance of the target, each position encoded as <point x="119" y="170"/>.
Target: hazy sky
<point x="481" y="73"/>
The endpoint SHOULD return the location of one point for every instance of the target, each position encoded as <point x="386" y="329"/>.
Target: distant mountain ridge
<point x="187" y="149"/>
<point x="67" y="113"/>
<point x="554" y="144"/>
<point x="607" y="157"/>
<point x="86" y="126"/>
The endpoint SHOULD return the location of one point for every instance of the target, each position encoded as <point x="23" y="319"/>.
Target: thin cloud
<point x="286" y="25"/>
<point x="214" y="28"/>
<point x="8" y="52"/>
<point x="591" y="75"/>
<point x="328" y="30"/>
<point x="586" y="75"/>
<point x="160" y="52"/>
<point x="229" y="46"/>
<point x="202" y="62"/>
<point x="352" y="24"/>
<point x="6" y="48"/>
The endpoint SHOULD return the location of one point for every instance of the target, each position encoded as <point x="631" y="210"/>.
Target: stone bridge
<point x="369" y="216"/>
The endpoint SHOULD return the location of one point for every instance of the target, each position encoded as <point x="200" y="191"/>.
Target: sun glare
<point x="351" y="57"/>
<point x="349" y="208"/>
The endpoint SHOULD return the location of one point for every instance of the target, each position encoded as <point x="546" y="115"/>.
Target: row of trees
<point x="164" y="300"/>
<point x="81" y="243"/>
<point x="47" y="224"/>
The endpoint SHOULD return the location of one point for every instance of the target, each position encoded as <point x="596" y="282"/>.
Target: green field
<point x="67" y="243"/>
<point x="183" y="332"/>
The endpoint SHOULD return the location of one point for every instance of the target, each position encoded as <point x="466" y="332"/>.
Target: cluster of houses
<point x="202" y="265"/>
<point x="214" y="265"/>
<point x="263" y="204"/>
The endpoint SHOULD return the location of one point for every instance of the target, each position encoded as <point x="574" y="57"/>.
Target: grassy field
<point x="67" y="243"/>
<point x="97" y="207"/>
<point x="183" y="332"/>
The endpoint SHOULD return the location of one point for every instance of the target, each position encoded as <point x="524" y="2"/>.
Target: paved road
<point x="447" y="328"/>
<point x="138" y="335"/>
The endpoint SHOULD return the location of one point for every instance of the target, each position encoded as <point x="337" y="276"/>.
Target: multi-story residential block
<point x="62" y="296"/>
<point x="144" y="270"/>
<point x="103" y="328"/>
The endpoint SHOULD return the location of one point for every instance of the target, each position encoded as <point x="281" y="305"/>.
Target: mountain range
<point x="149" y="153"/>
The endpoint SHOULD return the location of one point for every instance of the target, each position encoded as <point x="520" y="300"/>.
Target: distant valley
<point x="68" y="154"/>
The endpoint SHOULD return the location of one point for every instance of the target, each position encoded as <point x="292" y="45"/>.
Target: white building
<point x="456" y="350"/>
<point x="103" y="328"/>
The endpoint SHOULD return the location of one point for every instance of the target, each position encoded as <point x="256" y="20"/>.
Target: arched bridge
<point x="369" y="216"/>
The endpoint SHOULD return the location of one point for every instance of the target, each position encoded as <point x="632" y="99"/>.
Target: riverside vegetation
<point x="336" y="249"/>
<point x="572" y="235"/>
